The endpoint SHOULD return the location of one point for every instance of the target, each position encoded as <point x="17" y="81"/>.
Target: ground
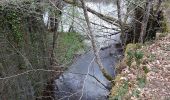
<point x="148" y="77"/>
<point x="146" y="72"/>
<point x="158" y="79"/>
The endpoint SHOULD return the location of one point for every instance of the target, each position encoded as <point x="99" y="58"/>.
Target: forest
<point x="84" y="50"/>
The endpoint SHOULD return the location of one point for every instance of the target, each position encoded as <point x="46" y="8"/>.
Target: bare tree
<point x="123" y="36"/>
<point x="145" y="20"/>
<point x="54" y="25"/>
<point x="94" y="46"/>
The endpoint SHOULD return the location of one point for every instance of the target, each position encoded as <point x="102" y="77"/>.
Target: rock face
<point x="75" y="83"/>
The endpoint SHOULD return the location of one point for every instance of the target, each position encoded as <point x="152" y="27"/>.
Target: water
<point x="75" y="82"/>
<point x="84" y="80"/>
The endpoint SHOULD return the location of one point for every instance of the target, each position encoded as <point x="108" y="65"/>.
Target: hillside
<point x="144" y="73"/>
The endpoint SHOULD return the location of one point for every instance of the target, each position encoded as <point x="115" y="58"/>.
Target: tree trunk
<point x="55" y="25"/>
<point x="145" y="21"/>
<point x="123" y="36"/>
<point x="55" y="36"/>
<point x="94" y="46"/>
<point x="158" y="6"/>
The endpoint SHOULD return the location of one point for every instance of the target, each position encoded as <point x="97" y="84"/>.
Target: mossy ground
<point x="68" y="45"/>
<point x="166" y="7"/>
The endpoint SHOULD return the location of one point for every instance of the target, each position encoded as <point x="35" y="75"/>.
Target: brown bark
<point x="94" y="46"/>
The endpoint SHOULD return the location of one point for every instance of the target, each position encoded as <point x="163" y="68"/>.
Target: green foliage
<point x="129" y="57"/>
<point x="121" y="92"/>
<point x="138" y="45"/>
<point x="136" y="55"/>
<point x="141" y="81"/>
<point x="68" y="45"/>
<point x="145" y="69"/>
<point x="164" y="24"/>
<point x="11" y="23"/>
<point x="20" y="25"/>
<point x="132" y="53"/>
<point x="15" y="23"/>
<point x="136" y="93"/>
<point x="163" y="34"/>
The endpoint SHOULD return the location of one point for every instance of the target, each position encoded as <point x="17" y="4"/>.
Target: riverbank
<point x="144" y="71"/>
<point x="149" y="78"/>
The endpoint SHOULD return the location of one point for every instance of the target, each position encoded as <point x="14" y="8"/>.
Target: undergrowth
<point x="125" y="81"/>
<point x="68" y="44"/>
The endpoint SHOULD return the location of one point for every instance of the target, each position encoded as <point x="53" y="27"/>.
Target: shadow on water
<point x="75" y="83"/>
